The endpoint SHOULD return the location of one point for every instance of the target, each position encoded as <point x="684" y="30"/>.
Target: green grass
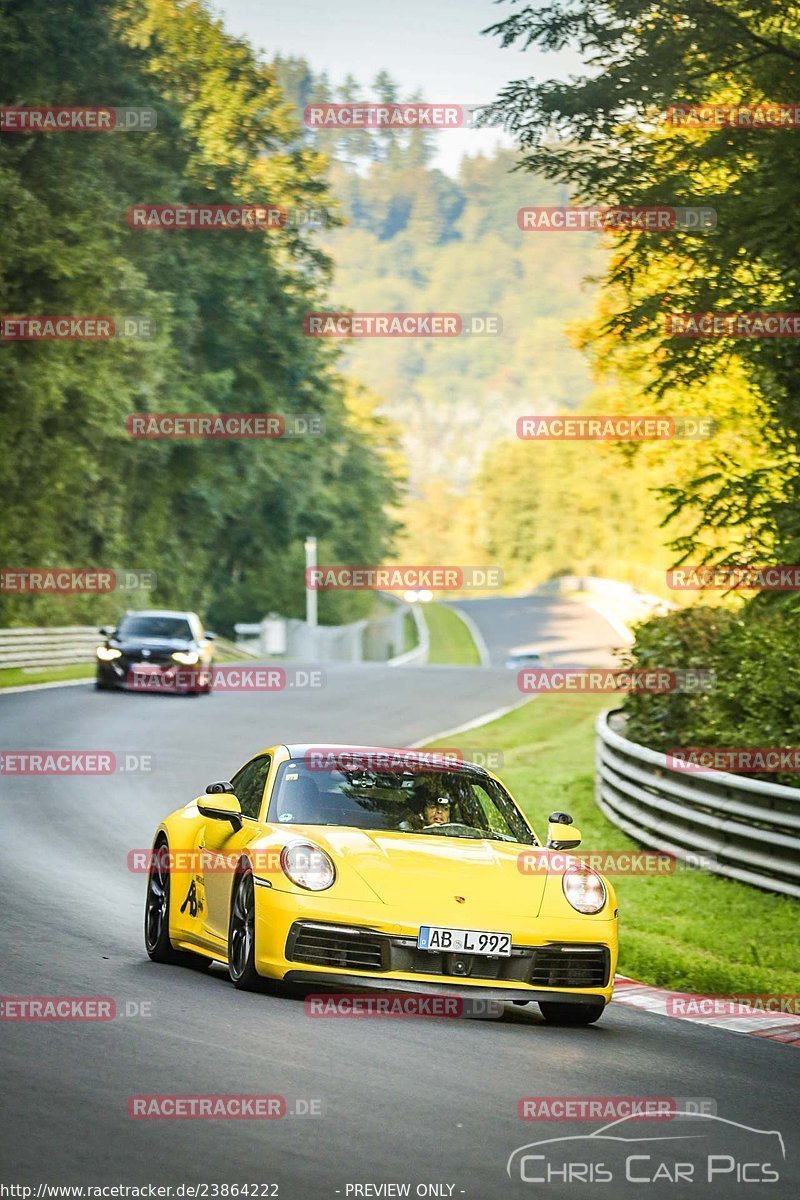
<point x="18" y="676"/>
<point x="451" y="640"/>
<point x="409" y="633"/>
<point x="690" y="930"/>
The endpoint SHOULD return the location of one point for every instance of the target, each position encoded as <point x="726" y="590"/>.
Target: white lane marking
<point x="38" y="687"/>
<point x="477" y="637"/>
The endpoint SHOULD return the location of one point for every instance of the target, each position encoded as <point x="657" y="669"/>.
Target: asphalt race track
<point x="415" y="1102"/>
<point x="563" y="631"/>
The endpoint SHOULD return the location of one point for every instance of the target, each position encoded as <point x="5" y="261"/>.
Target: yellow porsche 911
<point x="357" y="868"/>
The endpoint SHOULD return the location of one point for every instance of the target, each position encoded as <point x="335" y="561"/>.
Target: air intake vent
<point x="335" y="946"/>
<point x="570" y="967"/>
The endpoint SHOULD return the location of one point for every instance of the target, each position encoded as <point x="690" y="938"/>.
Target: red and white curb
<point x="778" y="1027"/>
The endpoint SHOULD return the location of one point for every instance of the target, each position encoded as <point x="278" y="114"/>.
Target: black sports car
<point x="156" y="650"/>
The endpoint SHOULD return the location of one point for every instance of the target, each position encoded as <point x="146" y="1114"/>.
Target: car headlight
<point x="584" y="889"/>
<point x="108" y="653"/>
<point x="187" y="657"/>
<point x="307" y="866"/>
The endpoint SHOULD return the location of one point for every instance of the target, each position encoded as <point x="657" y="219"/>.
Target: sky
<point x="434" y="46"/>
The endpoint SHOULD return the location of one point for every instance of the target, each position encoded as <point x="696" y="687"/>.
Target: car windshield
<point x="445" y="803"/>
<point x="155" y="627"/>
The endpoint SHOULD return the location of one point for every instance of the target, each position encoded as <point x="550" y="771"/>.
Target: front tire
<point x="156" y="915"/>
<point x="242" y="933"/>
<point x="571" y="1014"/>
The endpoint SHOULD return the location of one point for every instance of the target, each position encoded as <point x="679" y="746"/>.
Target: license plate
<point x="465" y="941"/>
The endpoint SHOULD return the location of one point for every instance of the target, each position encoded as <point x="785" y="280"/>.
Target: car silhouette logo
<point x="696" y="1127"/>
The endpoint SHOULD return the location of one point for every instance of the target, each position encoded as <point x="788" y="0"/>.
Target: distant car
<point x="156" y="650"/>
<point x="316" y="866"/>
<point x="519" y="659"/>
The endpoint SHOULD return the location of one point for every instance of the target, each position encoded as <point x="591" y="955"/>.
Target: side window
<point x="248" y="785"/>
<point x="493" y="818"/>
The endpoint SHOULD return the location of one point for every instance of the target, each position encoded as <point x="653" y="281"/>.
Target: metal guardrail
<point x="371" y="639"/>
<point x="64" y="645"/>
<point x="742" y="828"/>
<point x="61" y="645"/>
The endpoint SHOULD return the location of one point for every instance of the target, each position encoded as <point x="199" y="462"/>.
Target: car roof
<point x="301" y="749"/>
<point x="159" y="612"/>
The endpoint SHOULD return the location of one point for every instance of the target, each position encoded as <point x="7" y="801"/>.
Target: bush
<point x="755" y="697"/>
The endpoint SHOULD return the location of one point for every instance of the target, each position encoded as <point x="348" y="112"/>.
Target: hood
<point x="402" y="868"/>
<point x="160" y="645"/>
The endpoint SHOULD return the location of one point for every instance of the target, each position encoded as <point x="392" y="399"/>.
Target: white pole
<point x="311" y="593"/>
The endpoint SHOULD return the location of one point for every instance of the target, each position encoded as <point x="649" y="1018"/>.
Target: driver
<point x="434" y="804"/>
<point x="436" y="811"/>
<point x="429" y="807"/>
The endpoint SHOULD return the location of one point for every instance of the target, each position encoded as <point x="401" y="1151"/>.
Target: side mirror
<point x="561" y="833"/>
<point x="210" y="637"/>
<point x="224" y="807"/>
<point x="106" y="631"/>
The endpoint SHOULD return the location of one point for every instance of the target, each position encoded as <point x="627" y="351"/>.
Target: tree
<point x="604" y="134"/>
<point x="219" y="522"/>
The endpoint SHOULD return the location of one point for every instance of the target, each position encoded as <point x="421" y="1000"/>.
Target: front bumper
<point x="356" y="983"/>
<point x="163" y="677"/>
<point x="567" y="960"/>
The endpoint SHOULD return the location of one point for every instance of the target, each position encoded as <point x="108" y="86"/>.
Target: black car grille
<point x="554" y="966"/>
<point x="156" y="657"/>
<point x="570" y="967"/>
<point x="406" y="957"/>
<point x="333" y="946"/>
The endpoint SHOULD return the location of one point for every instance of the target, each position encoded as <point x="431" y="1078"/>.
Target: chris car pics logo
<point x="697" y="1148"/>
